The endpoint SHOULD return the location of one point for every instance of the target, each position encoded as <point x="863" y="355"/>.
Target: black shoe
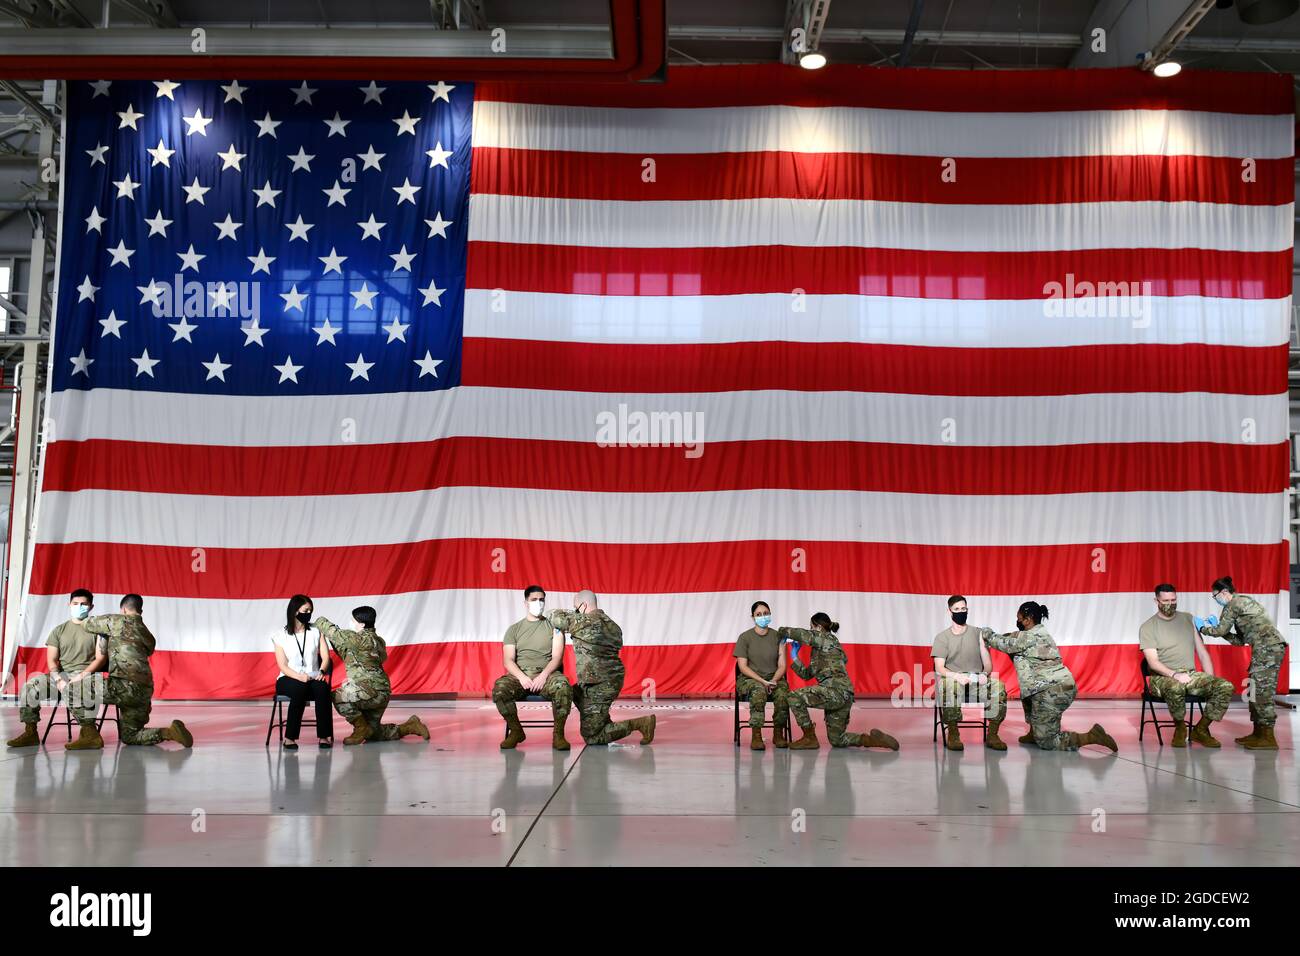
<point x="290" y="745"/>
<point x="326" y="745"/>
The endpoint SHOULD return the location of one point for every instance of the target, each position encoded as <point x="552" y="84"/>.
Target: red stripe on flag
<point x="948" y="91"/>
<point x="724" y="466"/>
<point x="859" y="367"/>
<point x="460" y="563"/>
<point x="912" y="273"/>
<point x="559" y="174"/>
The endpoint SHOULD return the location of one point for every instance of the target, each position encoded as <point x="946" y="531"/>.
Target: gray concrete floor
<point x="691" y="798"/>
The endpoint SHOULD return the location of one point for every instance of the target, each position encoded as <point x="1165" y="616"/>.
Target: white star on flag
<point x="182" y="330"/>
<point x="129" y="117"/>
<point x="437" y="226"/>
<point x="95" y="220"/>
<point x="293" y="299"/>
<point x="144" y="364"/>
<point x="360" y="368"/>
<point x="438" y="156"/>
<point x="326" y="332"/>
<point x="82" y="364"/>
<point x="365" y="293"/>
<point x="261" y="262"/>
<point x="111" y="325"/>
<point x="226" y="229"/>
<point x="165" y="88"/>
<point x="288" y="371"/>
<point x="86" y="290"/>
<point x="216" y="368"/>
<point x="196" y="124"/>
<point x="428" y="365"/>
<point x="158" y="225"/>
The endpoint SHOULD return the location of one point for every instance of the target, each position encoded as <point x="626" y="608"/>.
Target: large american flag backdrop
<point x="820" y="339"/>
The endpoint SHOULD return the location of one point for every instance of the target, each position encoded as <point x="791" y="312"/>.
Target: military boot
<point x="1097" y="735"/>
<point x="756" y="739"/>
<point x="951" y="738"/>
<point x="28" y="738"/>
<point x="779" y="739"/>
<point x="992" y="740"/>
<point x="1028" y="738"/>
<point x="361" y="731"/>
<point x="558" y="742"/>
<point x="88" y="739"/>
<point x="1180" y="734"/>
<point x="179" y="733"/>
<point x="413" y="727"/>
<point x="1201" y="733"/>
<point x="878" y="738"/>
<point x="1252" y="735"/>
<point x="1264" y="740"/>
<point x="645" y="726"/>
<point x="514" y="733"/>
<point x="808" y="741"/>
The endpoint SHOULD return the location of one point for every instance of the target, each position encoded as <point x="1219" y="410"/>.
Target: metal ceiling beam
<point x="29" y="101"/>
<point x="141" y="43"/>
<point x="157" y="13"/>
<point x="29" y="13"/>
<point x="1128" y="30"/>
<point x="806" y="15"/>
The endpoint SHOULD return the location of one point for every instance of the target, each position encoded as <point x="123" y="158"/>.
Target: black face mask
<point x="304" y="617"/>
<point x="1020" y="626"/>
<point x="959" y="617"/>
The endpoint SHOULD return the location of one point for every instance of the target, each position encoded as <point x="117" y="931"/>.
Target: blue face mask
<point x="763" y="620"/>
<point x="81" y="612"/>
<point x="1220" y="601"/>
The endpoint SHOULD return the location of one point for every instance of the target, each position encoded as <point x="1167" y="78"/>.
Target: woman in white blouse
<point x="304" y="660"/>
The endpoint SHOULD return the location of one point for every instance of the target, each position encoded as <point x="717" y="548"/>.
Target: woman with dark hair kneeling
<point x="833" y="693"/>
<point x="304" y="659"/>
<point x="1045" y="681"/>
<point x="361" y="698"/>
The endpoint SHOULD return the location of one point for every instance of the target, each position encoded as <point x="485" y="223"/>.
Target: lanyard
<point x="302" y="646"/>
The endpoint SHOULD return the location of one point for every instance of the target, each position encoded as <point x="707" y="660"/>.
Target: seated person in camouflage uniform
<point x="1171" y="646"/>
<point x="597" y="641"/>
<point x="126" y="644"/>
<point x="362" y="697"/>
<point x="1045" y="680"/>
<point x="1267" y="650"/>
<point x="69" y="651"/>
<point x="534" y="659"/>
<point x="960" y="661"/>
<point x="762" y="676"/>
<point x="833" y="692"/>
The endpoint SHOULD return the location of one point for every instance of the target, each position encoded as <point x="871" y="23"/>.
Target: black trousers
<point x="299" y="693"/>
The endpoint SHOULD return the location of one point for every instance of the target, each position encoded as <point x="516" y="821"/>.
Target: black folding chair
<point x="538" y="721"/>
<point x="982" y="723"/>
<point x="68" y="723"/>
<point x="739" y="698"/>
<point x="1149" y="701"/>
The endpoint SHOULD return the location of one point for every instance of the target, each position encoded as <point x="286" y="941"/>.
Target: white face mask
<point x="535" y="608"/>
<point x="80" y="612"/>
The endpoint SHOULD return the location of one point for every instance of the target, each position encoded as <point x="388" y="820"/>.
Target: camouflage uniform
<point x="46" y="686"/>
<point x="1044" y="680"/>
<point x="596" y="643"/>
<point x="992" y="694"/>
<point x="757" y="694"/>
<point x="833" y="692"/>
<point x="507" y="691"/>
<point x="1215" y="691"/>
<point x="1267" y="649"/>
<point x="362" y="697"/>
<point x="127" y="642"/>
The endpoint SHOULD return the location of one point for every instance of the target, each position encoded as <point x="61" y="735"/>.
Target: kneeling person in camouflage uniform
<point x="534" y="657"/>
<point x="1171" y="646"/>
<point x="762" y="677"/>
<point x="362" y="697"/>
<point x="597" y="641"/>
<point x="127" y="645"/>
<point x="69" y="652"/>
<point x="833" y="691"/>
<point x="1045" y="681"/>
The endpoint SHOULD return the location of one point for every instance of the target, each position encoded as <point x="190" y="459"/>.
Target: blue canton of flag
<point x="263" y="239"/>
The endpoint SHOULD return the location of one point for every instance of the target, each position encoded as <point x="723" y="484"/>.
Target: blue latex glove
<point x="1212" y="620"/>
<point x="1198" y="622"/>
